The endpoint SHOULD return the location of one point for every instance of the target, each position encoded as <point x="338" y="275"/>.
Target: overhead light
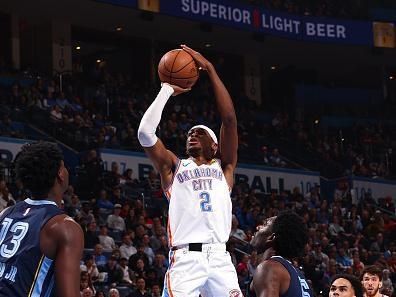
<point x="273" y="67"/>
<point x="316" y="122"/>
<point x="119" y="28"/>
<point x="208" y="45"/>
<point x="98" y="60"/>
<point x="78" y="47"/>
<point x="391" y="77"/>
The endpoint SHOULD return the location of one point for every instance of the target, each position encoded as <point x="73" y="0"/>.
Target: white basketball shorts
<point x="209" y="272"/>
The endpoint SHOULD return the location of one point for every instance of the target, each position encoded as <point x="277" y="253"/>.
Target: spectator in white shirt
<point x="105" y="240"/>
<point x="126" y="248"/>
<point x="114" y="221"/>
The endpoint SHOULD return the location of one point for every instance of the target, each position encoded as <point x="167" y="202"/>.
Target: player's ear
<point x="214" y="147"/>
<point x="272" y="237"/>
<point x="61" y="173"/>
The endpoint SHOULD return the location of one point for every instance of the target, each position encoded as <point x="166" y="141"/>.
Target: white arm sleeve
<point x="152" y="117"/>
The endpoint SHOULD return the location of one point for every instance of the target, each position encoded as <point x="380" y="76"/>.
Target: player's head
<point x="371" y="278"/>
<point x="201" y="141"/>
<point x="285" y="233"/>
<point x="345" y="285"/>
<point x="114" y="293"/>
<point x="40" y="168"/>
<point x="156" y="289"/>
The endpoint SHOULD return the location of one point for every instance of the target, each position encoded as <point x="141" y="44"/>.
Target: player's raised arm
<point x="228" y="134"/>
<point x="162" y="158"/>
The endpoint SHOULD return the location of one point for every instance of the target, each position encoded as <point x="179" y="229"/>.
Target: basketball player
<point x="198" y="190"/>
<point x="371" y="279"/>
<point x="280" y="239"/>
<point x="40" y="247"/>
<point x="345" y="285"/>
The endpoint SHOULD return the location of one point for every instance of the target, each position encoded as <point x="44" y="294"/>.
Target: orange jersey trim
<point x="170" y="239"/>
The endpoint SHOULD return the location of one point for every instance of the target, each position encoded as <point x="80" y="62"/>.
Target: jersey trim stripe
<point x="50" y="287"/>
<point x="39" y="202"/>
<point x="168" y="194"/>
<point x="38" y="284"/>
<point x="35" y="275"/>
<point x="169" y="233"/>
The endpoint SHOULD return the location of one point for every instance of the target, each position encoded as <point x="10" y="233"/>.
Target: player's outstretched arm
<point x="162" y="158"/>
<point x="69" y="240"/>
<point x="228" y="134"/>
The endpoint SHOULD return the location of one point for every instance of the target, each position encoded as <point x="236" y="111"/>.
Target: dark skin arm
<point x="271" y="279"/>
<point x="62" y="240"/>
<point x="163" y="159"/>
<point x="228" y="144"/>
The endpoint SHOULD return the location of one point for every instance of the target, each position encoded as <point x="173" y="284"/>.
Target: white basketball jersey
<point x="199" y="204"/>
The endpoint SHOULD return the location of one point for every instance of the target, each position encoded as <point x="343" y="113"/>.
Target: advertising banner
<point x="376" y="187"/>
<point x="275" y="23"/>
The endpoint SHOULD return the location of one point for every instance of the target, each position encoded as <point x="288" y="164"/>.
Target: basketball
<point x="177" y="67"/>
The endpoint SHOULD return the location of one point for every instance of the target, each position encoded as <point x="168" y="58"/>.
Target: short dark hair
<point x="37" y="166"/>
<point x="291" y="234"/>
<point x="373" y="270"/>
<point x="355" y="282"/>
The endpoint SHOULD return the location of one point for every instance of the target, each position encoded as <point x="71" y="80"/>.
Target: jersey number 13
<point x="18" y="230"/>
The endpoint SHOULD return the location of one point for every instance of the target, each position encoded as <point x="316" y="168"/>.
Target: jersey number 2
<point x="19" y="230"/>
<point x="205" y="201"/>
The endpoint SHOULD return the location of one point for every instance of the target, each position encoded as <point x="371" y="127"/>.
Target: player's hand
<point x="200" y="60"/>
<point x="178" y="90"/>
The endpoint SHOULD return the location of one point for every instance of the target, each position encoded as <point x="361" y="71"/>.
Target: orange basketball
<point x="177" y="67"/>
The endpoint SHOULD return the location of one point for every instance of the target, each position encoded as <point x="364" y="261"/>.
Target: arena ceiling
<point x="349" y="61"/>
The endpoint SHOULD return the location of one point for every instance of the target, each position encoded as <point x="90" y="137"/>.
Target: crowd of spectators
<point x="106" y="114"/>
<point x="124" y="218"/>
<point x="361" y="150"/>
<point x="126" y="245"/>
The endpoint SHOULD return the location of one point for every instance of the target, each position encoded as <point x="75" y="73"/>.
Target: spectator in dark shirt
<point x="140" y="289"/>
<point x="140" y="254"/>
<point x="114" y="273"/>
<point x="93" y="167"/>
<point x="91" y="237"/>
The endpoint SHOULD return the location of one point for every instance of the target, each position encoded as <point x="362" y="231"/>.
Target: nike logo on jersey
<point x="186" y="164"/>
<point x="26" y="211"/>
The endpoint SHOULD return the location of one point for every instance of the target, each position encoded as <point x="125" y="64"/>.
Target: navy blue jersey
<point x="298" y="285"/>
<point x="24" y="270"/>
